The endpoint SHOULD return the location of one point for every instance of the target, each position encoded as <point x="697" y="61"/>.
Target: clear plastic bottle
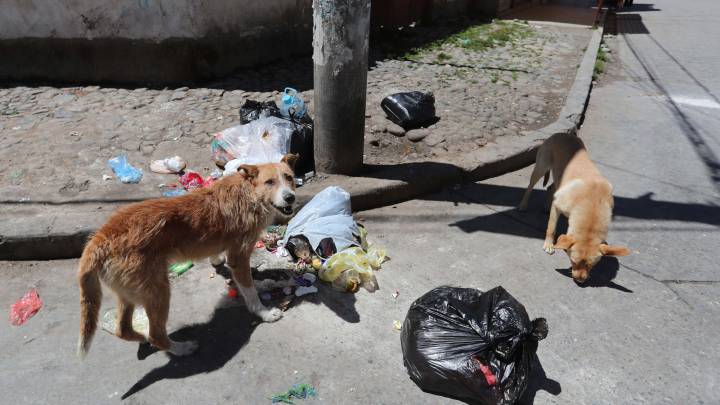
<point x="292" y="104"/>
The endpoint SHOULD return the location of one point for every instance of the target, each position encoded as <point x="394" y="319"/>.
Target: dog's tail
<point x="546" y="179"/>
<point x="92" y="260"/>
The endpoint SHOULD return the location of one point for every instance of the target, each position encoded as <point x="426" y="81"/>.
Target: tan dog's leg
<point x="543" y="162"/>
<point x="124" y="328"/>
<point x="549" y="197"/>
<point x="550" y="233"/>
<point x="157" y="306"/>
<point x="239" y="263"/>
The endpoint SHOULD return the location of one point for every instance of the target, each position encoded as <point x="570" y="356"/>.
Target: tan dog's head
<point x="584" y="255"/>
<point x="274" y="184"/>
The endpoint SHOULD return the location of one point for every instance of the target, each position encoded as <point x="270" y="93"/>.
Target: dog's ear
<point x="250" y="171"/>
<point x="290" y="159"/>
<point x="608" y="250"/>
<point x="564" y="242"/>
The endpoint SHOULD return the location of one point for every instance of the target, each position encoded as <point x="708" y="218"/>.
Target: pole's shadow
<point x="602" y="275"/>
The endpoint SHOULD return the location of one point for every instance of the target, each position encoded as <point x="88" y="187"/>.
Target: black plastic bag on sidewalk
<point x="252" y="110"/>
<point x="301" y="141"/>
<point x="469" y="345"/>
<point x="409" y="110"/>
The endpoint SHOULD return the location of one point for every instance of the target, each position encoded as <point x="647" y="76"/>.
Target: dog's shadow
<point x="602" y="275"/>
<point x="220" y="339"/>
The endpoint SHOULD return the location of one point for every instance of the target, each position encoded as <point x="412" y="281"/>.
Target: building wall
<point x="172" y="41"/>
<point x="154" y="41"/>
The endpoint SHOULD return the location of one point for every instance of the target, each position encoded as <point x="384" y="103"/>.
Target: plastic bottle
<point x="292" y="104"/>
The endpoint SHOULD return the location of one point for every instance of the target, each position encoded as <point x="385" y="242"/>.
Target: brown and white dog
<point x="131" y="252"/>
<point x="580" y="193"/>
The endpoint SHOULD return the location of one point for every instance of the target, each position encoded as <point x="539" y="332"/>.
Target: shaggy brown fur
<point x="583" y="195"/>
<point x="131" y="252"/>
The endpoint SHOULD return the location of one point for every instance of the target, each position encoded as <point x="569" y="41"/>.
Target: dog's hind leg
<point x="157" y="306"/>
<point x="124" y="329"/>
<point x="538" y="172"/>
<point x="239" y="263"/>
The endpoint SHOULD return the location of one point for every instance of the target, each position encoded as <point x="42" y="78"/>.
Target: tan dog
<point x="583" y="195"/>
<point x="131" y="252"/>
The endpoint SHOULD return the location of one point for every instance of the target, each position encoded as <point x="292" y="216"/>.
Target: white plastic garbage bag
<point x="265" y="140"/>
<point x="327" y="215"/>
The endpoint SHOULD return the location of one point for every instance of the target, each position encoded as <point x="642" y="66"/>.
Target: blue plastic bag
<point x="124" y="171"/>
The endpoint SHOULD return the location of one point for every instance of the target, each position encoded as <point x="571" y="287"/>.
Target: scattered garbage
<point x="124" y="170"/>
<point x="24" y="308"/>
<point x="178" y="269"/>
<point x="396" y="294"/>
<point x="174" y="192"/>
<point x="327" y="215"/>
<point x="140" y="322"/>
<point x="397" y="325"/>
<point x="409" y="110"/>
<point x="299" y="248"/>
<point x="453" y="335"/>
<point x="302" y="136"/>
<point x="298" y="391"/>
<point x="106" y="177"/>
<point x="265" y="140"/>
<point x="353" y="267"/>
<point x="252" y="110"/>
<point x="191" y="180"/>
<point x="300" y="291"/>
<point x="174" y="164"/>
<point x="292" y="104"/>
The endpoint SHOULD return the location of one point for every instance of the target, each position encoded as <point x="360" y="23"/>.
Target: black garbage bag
<point x="252" y="110"/>
<point x="469" y="345"/>
<point x="409" y="110"/>
<point x="301" y="141"/>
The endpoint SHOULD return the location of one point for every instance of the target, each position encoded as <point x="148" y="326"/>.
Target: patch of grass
<point x="599" y="63"/>
<point x="479" y="37"/>
<point x="442" y="57"/>
<point x="494" y="78"/>
<point x="514" y="76"/>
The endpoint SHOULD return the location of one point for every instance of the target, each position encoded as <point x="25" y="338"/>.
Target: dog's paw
<point x="270" y="314"/>
<point x="548" y="248"/>
<point x="183" y="348"/>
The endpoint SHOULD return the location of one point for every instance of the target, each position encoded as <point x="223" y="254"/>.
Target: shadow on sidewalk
<point x="220" y="339"/>
<point x="601" y="275"/>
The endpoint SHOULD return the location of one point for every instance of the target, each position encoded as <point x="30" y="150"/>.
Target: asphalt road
<point x="643" y="330"/>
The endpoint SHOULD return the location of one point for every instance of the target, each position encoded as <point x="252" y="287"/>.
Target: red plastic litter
<point x="489" y="376"/>
<point x="25" y="307"/>
<point x="209" y="180"/>
<point x="191" y="180"/>
<point x="259" y="245"/>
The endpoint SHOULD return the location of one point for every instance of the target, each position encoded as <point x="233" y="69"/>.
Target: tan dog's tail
<point x="546" y="179"/>
<point x="92" y="260"/>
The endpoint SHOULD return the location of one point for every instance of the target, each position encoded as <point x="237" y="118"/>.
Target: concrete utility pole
<point x="340" y="56"/>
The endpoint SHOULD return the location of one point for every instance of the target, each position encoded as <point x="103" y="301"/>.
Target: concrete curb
<point x="58" y="235"/>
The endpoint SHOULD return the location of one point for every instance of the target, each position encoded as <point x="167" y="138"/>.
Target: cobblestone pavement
<point x="55" y="141"/>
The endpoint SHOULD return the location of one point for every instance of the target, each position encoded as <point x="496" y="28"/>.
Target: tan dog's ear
<point x="564" y="242"/>
<point x="250" y="171"/>
<point x="608" y="250"/>
<point x="290" y="159"/>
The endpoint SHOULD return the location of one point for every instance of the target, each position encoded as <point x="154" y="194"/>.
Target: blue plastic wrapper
<point x="124" y="171"/>
<point x="174" y="192"/>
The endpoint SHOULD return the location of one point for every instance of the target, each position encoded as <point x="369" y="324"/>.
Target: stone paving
<point x="55" y="141"/>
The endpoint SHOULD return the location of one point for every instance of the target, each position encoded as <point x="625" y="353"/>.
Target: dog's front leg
<point x="550" y="233"/>
<point x="239" y="263"/>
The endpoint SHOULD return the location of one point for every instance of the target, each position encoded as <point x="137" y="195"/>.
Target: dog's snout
<point x="289" y="197"/>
